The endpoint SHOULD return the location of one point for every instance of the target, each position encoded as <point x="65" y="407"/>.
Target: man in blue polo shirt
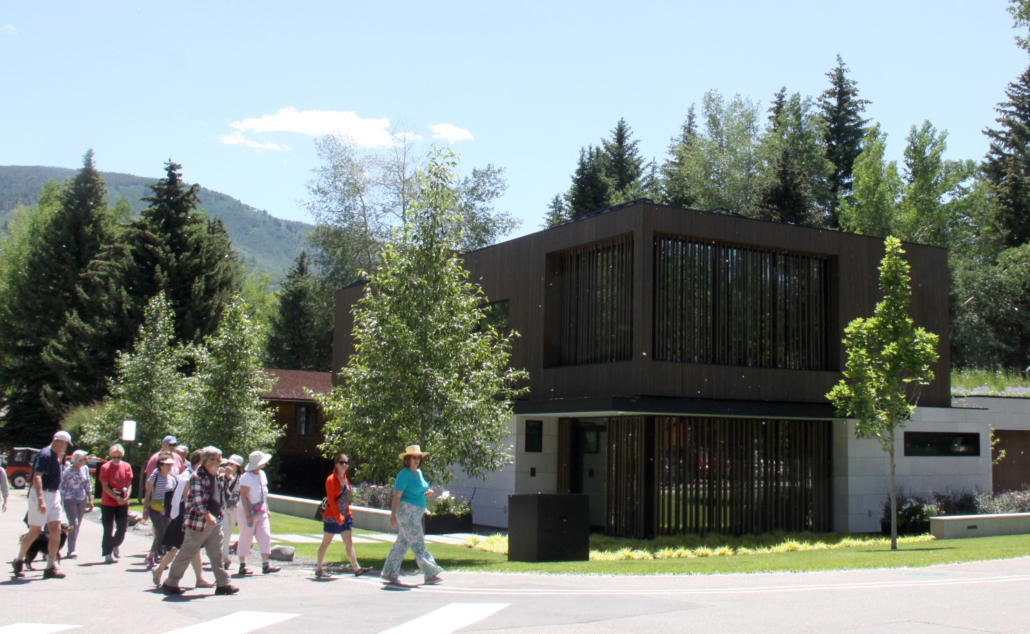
<point x="45" y="506"/>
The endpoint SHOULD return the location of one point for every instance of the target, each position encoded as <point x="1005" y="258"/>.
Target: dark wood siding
<point x="1013" y="472"/>
<point x="517" y="271"/>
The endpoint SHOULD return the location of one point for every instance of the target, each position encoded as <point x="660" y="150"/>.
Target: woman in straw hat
<point x="254" y="523"/>
<point x="409" y="505"/>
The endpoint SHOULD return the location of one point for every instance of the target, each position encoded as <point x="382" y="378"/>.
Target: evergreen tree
<point x="842" y="111"/>
<point x="39" y="297"/>
<point x="786" y="198"/>
<point x="301" y="332"/>
<point x="1007" y="165"/>
<point x="623" y="163"/>
<point x="557" y="212"/>
<point x="779" y="101"/>
<point x="170" y="248"/>
<point x="873" y="207"/>
<point x="676" y="188"/>
<point x="797" y="131"/>
<point x="590" y="189"/>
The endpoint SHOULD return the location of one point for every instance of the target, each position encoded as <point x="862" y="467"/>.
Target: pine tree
<point x="845" y="128"/>
<point x="170" y="248"/>
<point x="39" y="300"/>
<point x="590" y="189"/>
<point x="301" y="332"/>
<point x="623" y="163"/>
<point x="676" y="188"/>
<point x="1007" y="165"/>
<point x="779" y="101"/>
<point x="787" y="198"/>
<point x="557" y="212"/>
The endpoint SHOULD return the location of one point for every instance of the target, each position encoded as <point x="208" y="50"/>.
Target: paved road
<point x="982" y="597"/>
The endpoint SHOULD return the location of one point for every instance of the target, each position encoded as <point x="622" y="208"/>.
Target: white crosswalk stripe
<point x="449" y="618"/>
<point x="236" y="623"/>
<point x="35" y="628"/>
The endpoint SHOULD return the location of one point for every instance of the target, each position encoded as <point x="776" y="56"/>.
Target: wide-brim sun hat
<point x="258" y="459"/>
<point x="413" y="450"/>
<point x="236" y="459"/>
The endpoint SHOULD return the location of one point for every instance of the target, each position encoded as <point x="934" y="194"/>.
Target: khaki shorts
<point x="54" y="508"/>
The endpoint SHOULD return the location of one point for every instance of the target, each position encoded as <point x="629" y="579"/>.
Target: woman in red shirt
<point x="336" y="517"/>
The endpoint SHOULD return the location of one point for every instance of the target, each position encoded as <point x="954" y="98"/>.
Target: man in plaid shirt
<point x="202" y="525"/>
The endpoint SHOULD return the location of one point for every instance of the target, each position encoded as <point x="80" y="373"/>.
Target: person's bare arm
<point x="393" y="509"/>
<point x="245" y="503"/>
<point x="37" y="485"/>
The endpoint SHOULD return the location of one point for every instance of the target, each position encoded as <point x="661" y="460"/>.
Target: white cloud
<point x="236" y="138"/>
<point x="8" y="29"/>
<point x="450" y="133"/>
<point x="363" y="132"/>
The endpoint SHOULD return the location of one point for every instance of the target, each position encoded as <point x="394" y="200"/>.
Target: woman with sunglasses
<point x="336" y="517"/>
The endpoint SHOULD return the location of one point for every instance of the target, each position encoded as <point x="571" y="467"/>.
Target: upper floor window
<point x="732" y="305"/>
<point x="307" y="419"/>
<point x="588" y="307"/>
<point x="496" y="314"/>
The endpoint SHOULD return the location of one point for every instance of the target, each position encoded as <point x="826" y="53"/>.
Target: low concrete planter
<point x="364" y="518"/>
<point x="961" y="526"/>
<point x="448" y="523"/>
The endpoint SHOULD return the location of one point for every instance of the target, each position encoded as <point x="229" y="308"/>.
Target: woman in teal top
<point x="410" y="490"/>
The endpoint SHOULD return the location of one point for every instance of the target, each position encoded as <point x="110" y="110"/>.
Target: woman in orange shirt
<point x="336" y="517"/>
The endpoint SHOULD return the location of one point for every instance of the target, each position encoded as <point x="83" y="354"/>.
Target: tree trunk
<point x="894" y="498"/>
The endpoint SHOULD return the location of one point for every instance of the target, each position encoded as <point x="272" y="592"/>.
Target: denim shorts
<point x="335" y="529"/>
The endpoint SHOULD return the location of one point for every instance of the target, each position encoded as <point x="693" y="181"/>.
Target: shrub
<point x="1008" y="502"/>
<point x="446" y="503"/>
<point x="372" y="496"/>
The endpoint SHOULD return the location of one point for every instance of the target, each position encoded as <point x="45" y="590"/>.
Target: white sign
<point x="129" y="430"/>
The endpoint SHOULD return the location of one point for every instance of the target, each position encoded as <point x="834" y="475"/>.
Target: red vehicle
<point x="19" y="466"/>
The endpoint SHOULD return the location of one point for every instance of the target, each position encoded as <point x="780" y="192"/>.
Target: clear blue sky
<point x="530" y="82"/>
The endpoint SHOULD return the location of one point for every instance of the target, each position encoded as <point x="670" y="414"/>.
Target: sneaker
<point x="267" y="569"/>
<point x="227" y="589"/>
<point x="167" y="589"/>
<point x="361" y="571"/>
<point x="109" y="559"/>
<point x="432" y="581"/>
<point x="18" y="566"/>
<point x="117" y="554"/>
<point x="53" y="573"/>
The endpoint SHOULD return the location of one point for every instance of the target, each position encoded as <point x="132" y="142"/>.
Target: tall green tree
<point x="557" y="212"/>
<point x="227" y="410"/>
<point x="787" y="197"/>
<point x="889" y="362"/>
<point x="591" y="190"/>
<point x="623" y="164"/>
<point x="476" y="222"/>
<point x="1007" y="165"/>
<point x="793" y="143"/>
<point x="301" y="335"/>
<point x="872" y="207"/>
<point x="845" y="128"/>
<point x="148" y="386"/>
<point x="676" y="184"/>
<point x="40" y="295"/>
<point x="452" y="398"/>
<point x="171" y="248"/>
<point x="1020" y="12"/>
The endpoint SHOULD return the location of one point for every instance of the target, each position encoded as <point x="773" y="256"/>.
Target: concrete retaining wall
<point x="960" y="526"/>
<point x="364" y="518"/>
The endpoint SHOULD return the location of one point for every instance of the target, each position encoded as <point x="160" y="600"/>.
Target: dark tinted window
<point x="931" y="443"/>
<point x="305" y="420"/>
<point x="534" y="436"/>
<point x="496" y="315"/>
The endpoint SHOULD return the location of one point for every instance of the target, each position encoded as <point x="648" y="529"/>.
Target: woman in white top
<point x="253" y="520"/>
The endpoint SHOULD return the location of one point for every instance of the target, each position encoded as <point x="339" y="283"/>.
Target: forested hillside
<point x="263" y="241"/>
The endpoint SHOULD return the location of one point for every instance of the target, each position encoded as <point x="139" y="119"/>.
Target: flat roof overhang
<point x="666" y="406"/>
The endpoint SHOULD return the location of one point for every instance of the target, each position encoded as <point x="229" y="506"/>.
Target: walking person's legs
<point x="228" y="525"/>
<point x="191" y="543"/>
<point x="213" y="546"/>
<point x="107" y="519"/>
<point x="263" y="537"/>
<point x="348" y="543"/>
<point x="410" y="518"/>
<point x="327" y="539"/>
<point x="121" y="521"/>
<point x="244" y="542"/>
<point x="158" y="523"/>
<point x="74" y="510"/>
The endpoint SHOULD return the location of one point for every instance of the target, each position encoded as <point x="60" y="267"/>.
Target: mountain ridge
<point x="264" y="242"/>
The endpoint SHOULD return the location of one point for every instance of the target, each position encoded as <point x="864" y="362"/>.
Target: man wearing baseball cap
<point x="45" y="504"/>
<point x="168" y="444"/>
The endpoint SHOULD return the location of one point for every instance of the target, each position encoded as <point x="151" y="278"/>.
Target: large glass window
<point x="307" y="419"/>
<point x="731" y="305"/>
<point x="933" y="443"/>
<point x="589" y="310"/>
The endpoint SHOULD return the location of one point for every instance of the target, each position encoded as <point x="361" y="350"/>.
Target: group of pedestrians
<point x="195" y="501"/>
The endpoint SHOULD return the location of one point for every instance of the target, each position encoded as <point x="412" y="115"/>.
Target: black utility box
<point x="548" y="527"/>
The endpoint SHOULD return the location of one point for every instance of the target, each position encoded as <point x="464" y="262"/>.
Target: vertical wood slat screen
<point x="564" y="455"/>
<point x="627" y="489"/>
<point x="737" y="476"/>
<point x="728" y="305"/>
<point x="594" y="297"/>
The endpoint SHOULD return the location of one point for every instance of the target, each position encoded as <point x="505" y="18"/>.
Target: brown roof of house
<point x="291" y="384"/>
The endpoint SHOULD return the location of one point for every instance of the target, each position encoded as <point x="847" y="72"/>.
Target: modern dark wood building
<point x="679" y="361"/>
<point x="297" y="413"/>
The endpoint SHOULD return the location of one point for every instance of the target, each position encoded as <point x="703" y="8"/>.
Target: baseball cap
<point x="63" y="435"/>
<point x="170" y="440"/>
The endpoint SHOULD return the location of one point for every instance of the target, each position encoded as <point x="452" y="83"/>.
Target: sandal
<point x="323" y="574"/>
<point x="361" y="571"/>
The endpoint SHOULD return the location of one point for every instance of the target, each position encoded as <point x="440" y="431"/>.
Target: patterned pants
<point x="409" y="535"/>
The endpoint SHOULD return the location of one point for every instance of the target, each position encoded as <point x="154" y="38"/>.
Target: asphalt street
<point x="96" y="597"/>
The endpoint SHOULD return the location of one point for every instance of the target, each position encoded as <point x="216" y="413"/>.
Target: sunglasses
<point x="342" y="462"/>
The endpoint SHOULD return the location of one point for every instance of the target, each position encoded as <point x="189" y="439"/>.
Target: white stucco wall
<point x="1002" y="412"/>
<point x="489" y="495"/>
<point x="861" y="469"/>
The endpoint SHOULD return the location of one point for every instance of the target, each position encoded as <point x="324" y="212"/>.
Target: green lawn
<point x="467" y="559"/>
